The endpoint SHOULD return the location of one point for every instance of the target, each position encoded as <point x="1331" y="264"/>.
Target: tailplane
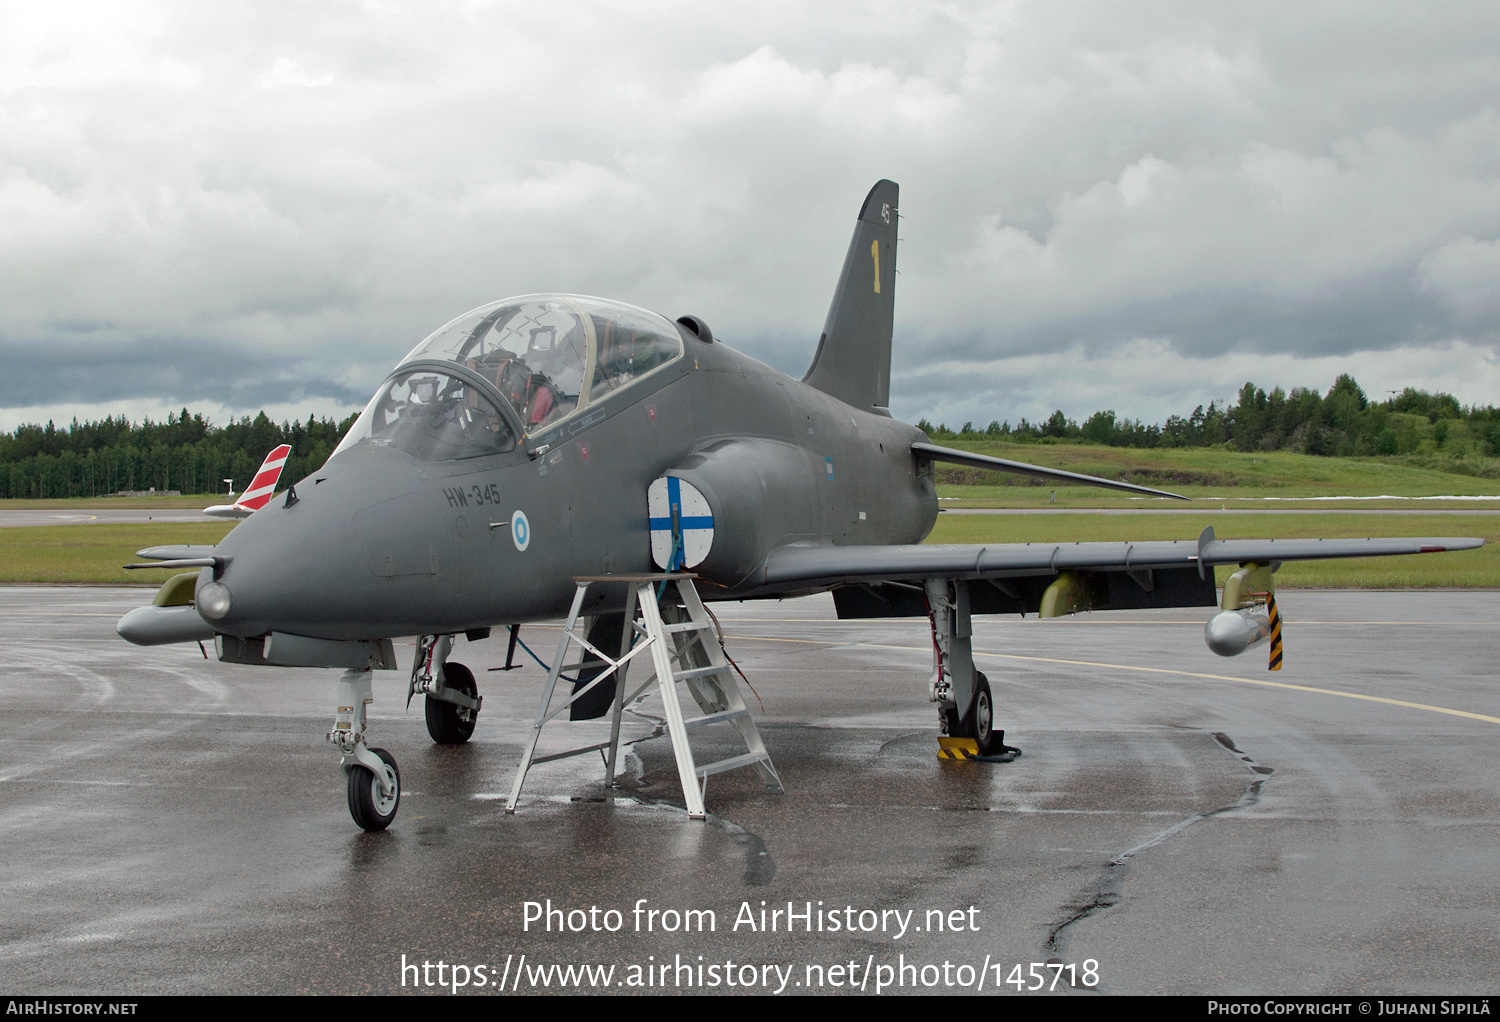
<point x="258" y="493"/>
<point x="853" y="362"/>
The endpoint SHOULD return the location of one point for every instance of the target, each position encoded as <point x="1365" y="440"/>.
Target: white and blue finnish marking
<point x="670" y="500"/>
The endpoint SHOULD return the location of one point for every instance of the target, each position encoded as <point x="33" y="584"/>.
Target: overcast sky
<point x="1131" y="206"/>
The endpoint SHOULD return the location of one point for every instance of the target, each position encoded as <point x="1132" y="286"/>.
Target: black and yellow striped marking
<point x="958" y="748"/>
<point x="1275" y="632"/>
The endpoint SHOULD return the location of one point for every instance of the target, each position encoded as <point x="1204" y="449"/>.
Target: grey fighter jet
<point x="547" y="438"/>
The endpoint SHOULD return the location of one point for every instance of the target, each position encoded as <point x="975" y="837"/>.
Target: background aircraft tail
<point x="258" y="493"/>
<point x="853" y="362"/>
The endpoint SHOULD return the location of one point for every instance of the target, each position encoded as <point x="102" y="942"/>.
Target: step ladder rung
<point x="536" y="760"/>
<point x="697" y="672"/>
<point x="733" y="763"/>
<point x="715" y="718"/>
<point x="672" y="661"/>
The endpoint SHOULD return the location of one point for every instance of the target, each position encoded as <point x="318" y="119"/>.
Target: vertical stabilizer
<point x="853" y="362"/>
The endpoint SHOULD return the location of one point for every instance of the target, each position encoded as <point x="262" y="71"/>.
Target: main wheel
<point x="371" y="808"/>
<point x="982" y="716"/>
<point x="979" y="722"/>
<point x="449" y="723"/>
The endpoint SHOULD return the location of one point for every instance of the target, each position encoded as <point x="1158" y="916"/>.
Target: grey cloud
<point x="318" y="185"/>
<point x="170" y="370"/>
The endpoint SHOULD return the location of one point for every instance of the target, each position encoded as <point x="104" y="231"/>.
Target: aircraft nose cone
<point x="359" y="555"/>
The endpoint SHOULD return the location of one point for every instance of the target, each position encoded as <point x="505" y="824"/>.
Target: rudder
<point x="853" y="362"/>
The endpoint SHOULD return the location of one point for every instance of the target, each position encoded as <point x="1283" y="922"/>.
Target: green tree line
<point x="187" y="453"/>
<point x="1342" y="422"/>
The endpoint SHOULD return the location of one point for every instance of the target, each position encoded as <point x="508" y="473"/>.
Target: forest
<point x="189" y="453"/>
<point x="1344" y="422"/>
<point x="186" y="453"/>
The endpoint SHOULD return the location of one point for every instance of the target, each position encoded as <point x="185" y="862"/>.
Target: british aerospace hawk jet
<point x="541" y="456"/>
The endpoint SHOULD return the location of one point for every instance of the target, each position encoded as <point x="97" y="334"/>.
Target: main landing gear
<point x="452" y="698"/>
<point x="966" y="706"/>
<point x="373" y="780"/>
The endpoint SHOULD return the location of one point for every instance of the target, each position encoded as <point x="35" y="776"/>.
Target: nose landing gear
<point x="374" y="781"/>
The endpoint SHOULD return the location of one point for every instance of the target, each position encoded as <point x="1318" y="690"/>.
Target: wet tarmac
<point x="1215" y="511"/>
<point x="1178" y="822"/>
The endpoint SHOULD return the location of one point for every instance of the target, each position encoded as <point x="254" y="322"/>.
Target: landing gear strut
<point x="374" y="781"/>
<point x="966" y="706"/>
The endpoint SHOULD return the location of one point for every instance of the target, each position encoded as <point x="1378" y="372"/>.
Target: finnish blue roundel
<point x="520" y="530"/>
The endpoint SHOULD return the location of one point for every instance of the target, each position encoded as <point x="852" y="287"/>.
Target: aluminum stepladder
<point x="682" y="651"/>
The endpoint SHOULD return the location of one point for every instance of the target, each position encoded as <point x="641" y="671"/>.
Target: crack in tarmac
<point x="1108" y="891"/>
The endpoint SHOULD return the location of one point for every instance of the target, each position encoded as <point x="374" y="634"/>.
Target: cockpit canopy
<point x="551" y="355"/>
<point x="548" y="356"/>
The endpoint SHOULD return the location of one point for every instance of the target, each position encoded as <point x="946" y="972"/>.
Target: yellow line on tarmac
<point x="1158" y="670"/>
<point x="1071" y="620"/>
<point x="1252" y="681"/>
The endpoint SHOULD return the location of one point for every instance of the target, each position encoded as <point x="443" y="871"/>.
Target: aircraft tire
<point x="979" y="722"/>
<point x="982" y="718"/>
<point x="370" y="809"/>
<point x="445" y="722"/>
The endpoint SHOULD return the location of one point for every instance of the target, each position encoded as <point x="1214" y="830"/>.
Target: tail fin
<point x="258" y="493"/>
<point x="853" y="362"/>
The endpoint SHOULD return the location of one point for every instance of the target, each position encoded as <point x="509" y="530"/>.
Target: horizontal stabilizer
<point x="934" y="453"/>
<point x="175" y="553"/>
<point x="229" y="511"/>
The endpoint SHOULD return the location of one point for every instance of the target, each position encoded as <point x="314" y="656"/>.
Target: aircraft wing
<point x="829" y="565"/>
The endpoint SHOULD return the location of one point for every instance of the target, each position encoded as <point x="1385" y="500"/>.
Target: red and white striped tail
<point x="264" y="484"/>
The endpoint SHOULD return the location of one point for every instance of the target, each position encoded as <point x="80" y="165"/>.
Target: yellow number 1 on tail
<point x="875" y="255"/>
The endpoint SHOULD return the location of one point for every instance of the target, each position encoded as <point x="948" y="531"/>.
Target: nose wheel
<point x="374" y="782"/>
<point x="373" y="800"/>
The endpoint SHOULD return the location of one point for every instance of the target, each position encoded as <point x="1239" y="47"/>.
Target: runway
<point x="1186" y="824"/>
<point x="100" y="516"/>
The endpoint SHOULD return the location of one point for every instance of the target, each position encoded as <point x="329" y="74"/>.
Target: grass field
<point x="1208" y="474"/>
<point x="93" y="553"/>
<point x="1467" y="568"/>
